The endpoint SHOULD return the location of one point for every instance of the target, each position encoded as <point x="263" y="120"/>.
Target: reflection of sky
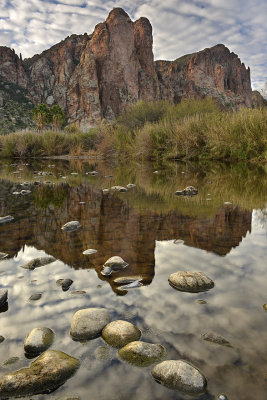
<point x="174" y="319"/>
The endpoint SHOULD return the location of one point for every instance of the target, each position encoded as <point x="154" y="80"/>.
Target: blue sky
<point x="179" y="26"/>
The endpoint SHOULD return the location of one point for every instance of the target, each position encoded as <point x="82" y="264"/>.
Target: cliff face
<point x="100" y="75"/>
<point x="215" y="72"/>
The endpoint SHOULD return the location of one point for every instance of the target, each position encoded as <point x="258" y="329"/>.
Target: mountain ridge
<point x="100" y="75"/>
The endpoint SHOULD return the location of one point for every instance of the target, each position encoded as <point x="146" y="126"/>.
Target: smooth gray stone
<point x="7" y="218"/>
<point x="125" y="280"/>
<point x="119" y="333"/>
<point x="89" y="251"/>
<point x="38" y="340"/>
<point x="190" y="281"/>
<point x="217" y="339"/>
<point x="116" y="263"/>
<point x="64" y="283"/>
<point x="132" y="285"/>
<point x="71" y="226"/>
<point x="88" y="323"/>
<point x="35" y="297"/>
<point x="142" y="354"/>
<point x="180" y="375"/>
<point x="3" y="296"/>
<point x="45" y="374"/>
<point x="38" y="262"/>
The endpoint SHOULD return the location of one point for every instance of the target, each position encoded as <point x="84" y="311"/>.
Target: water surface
<point x="222" y="232"/>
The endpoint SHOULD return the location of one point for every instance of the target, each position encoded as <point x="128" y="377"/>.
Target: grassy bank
<point x="192" y="129"/>
<point x="49" y="143"/>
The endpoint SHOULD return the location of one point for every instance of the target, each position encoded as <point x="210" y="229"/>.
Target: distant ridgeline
<point x="100" y="75"/>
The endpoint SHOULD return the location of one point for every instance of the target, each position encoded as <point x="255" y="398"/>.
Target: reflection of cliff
<point x="113" y="228"/>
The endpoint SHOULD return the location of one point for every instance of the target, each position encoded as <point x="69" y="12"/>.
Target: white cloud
<point x="179" y="27"/>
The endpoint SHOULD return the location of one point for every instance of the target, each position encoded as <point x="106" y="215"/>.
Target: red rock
<point x="100" y="75"/>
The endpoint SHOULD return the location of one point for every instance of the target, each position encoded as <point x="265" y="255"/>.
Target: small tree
<point x="57" y="117"/>
<point x="41" y="116"/>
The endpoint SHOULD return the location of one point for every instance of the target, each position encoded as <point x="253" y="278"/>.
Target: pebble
<point x="35" y="297"/>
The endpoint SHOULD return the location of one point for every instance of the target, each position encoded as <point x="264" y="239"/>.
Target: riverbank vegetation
<point x="193" y="129"/>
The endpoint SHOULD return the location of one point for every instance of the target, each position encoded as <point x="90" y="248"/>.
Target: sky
<point x="179" y="26"/>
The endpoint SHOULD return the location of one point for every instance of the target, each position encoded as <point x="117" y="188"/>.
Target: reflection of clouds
<point x="165" y="316"/>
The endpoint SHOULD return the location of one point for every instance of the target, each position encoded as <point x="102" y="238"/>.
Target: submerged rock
<point x="38" y="262"/>
<point x="180" y="375"/>
<point x="113" y="264"/>
<point x="35" y="296"/>
<point x="10" y="361"/>
<point x="38" y="340"/>
<point x="119" y="333"/>
<point x="89" y="251"/>
<point x="142" y="354"/>
<point x="121" y="189"/>
<point x="132" y="285"/>
<point x="3" y="296"/>
<point x="45" y="374"/>
<point x="7" y="218"/>
<point x="1" y="338"/>
<point x="125" y="280"/>
<point x="187" y="281"/>
<point x="214" y="338"/>
<point x="188" y="191"/>
<point x="116" y="263"/>
<point x="265" y="307"/>
<point x="64" y="283"/>
<point x="71" y="226"/>
<point x="88" y="323"/>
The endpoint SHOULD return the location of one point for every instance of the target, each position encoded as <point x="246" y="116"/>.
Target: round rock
<point x="71" y="226"/>
<point x="142" y="354"/>
<point x="116" y="263"/>
<point x="180" y="375"/>
<point x="64" y="283"/>
<point x="38" y="340"/>
<point x="88" y="323"/>
<point x="45" y="374"/>
<point x="119" y="333"/>
<point x="187" y="281"/>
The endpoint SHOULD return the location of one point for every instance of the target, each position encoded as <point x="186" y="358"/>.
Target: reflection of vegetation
<point x="50" y="195"/>
<point x="242" y="184"/>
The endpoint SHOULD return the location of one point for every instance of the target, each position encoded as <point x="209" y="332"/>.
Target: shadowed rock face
<point x="100" y="75"/>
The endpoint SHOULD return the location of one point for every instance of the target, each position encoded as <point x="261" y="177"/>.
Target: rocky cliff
<point x="99" y="75"/>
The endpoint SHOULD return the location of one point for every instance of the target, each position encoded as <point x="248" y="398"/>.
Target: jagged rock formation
<point x="215" y="72"/>
<point x="99" y="75"/>
<point x="258" y="100"/>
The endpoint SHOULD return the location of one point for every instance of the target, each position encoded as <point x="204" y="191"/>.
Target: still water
<point x="222" y="232"/>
